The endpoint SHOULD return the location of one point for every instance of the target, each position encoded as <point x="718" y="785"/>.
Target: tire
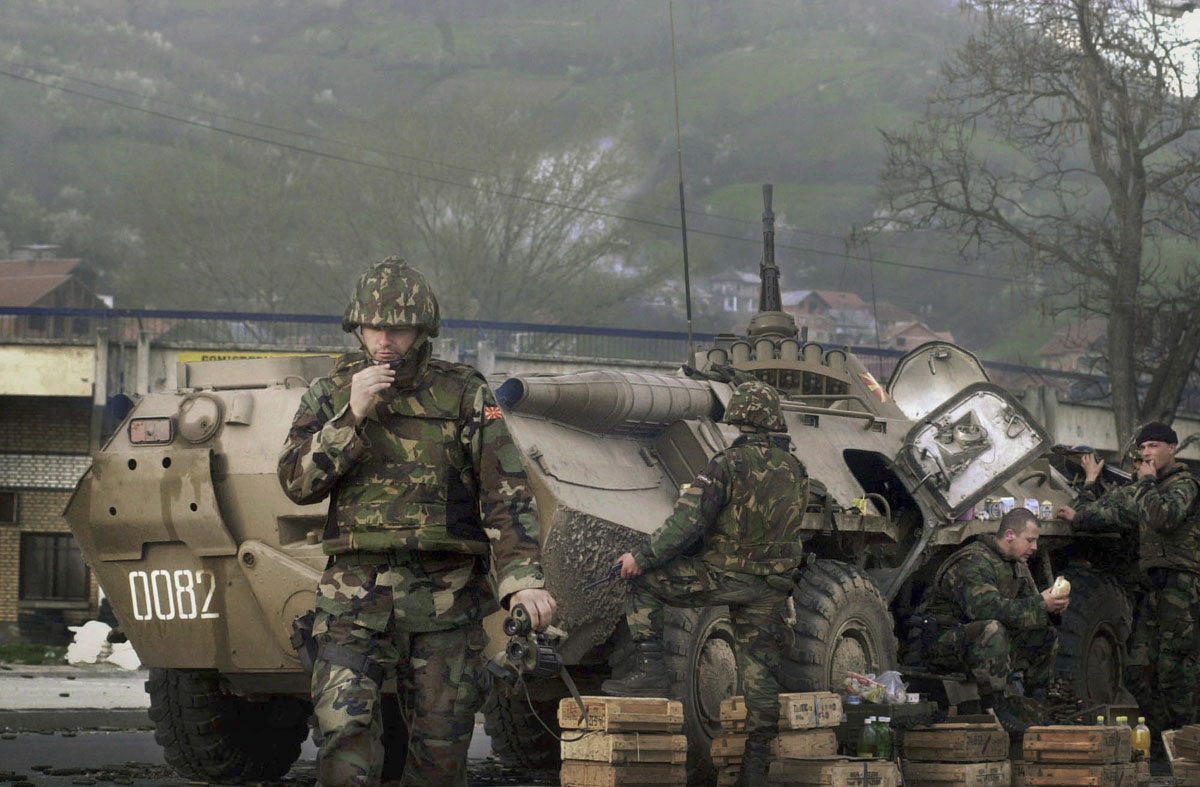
<point x="842" y="624"/>
<point x="518" y="740"/>
<point x="1092" y="637"/>
<point x="701" y="658"/>
<point x="208" y="734"/>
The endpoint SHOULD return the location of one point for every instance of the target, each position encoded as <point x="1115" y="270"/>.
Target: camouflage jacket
<point x="1164" y="511"/>
<point x="746" y="508"/>
<point x="979" y="583"/>
<point x="432" y="468"/>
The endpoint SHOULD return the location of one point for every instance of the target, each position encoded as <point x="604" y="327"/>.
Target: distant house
<point x="1078" y="347"/>
<point x="832" y="316"/>
<point x="47" y="283"/>
<point x="905" y="336"/>
<point x="731" y="293"/>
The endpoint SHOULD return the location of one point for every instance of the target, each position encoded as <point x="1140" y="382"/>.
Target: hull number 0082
<point x="172" y="595"/>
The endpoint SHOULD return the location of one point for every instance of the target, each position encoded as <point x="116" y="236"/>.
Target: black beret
<point x="1158" y="432"/>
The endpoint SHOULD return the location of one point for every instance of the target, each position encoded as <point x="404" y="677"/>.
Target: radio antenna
<point x="687" y="281"/>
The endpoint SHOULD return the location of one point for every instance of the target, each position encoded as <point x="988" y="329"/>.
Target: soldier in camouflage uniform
<point x="745" y="513"/>
<point x="1162" y="504"/>
<point x="983" y="615"/>
<point x="426" y="492"/>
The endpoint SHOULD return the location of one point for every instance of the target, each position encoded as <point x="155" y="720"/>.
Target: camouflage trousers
<point x="371" y="625"/>
<point x="756" y="611"/>
<point x="990" y="654"/>
<point x="1161" y="672"/>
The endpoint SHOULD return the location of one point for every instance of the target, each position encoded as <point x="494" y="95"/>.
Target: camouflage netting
<point x="393" y="295"/>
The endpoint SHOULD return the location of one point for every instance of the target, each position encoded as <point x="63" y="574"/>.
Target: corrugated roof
<point x="25" y="282"/>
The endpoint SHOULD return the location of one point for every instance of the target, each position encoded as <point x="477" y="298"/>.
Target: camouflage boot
<point x="754" y="763"/>
<point x="648" y="678"/>
<point x="1008" y="716"/>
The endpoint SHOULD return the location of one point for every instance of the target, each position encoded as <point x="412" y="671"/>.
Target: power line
<point x="484" y="190"/>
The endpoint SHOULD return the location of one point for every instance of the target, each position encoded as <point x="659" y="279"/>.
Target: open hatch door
<point x="930" y="375"/>
<point x="969" y="446"/>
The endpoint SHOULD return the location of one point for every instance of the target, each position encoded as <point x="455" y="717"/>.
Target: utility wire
<point x="489" y="191"/>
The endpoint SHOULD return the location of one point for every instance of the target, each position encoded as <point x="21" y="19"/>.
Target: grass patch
<point x="26" y="653"/>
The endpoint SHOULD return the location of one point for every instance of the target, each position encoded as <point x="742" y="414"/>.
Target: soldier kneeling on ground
<point x="983" y="615"/>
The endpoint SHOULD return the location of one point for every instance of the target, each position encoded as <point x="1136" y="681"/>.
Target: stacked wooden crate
<point x="805" y="752"/>
<point x="972" y="751"/>
<point x="1183" y="751"/>
<point x="622" y="742"/>
<point x="1092" y="756"/>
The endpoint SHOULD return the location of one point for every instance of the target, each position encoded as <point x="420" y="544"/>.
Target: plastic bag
<point x="888" y="687"/>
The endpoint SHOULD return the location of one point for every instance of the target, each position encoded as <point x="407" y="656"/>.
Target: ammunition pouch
<point x="925" y="630"/>
<point x="302" y="640"/>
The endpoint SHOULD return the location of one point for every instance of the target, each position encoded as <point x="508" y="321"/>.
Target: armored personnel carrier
<point x="207" y="563"/>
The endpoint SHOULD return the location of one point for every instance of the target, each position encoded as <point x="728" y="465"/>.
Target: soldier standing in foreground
<point x="746" y="509"/>
<point x="1163" y="502"/>
<point x="424" y="482"/>
<point x="983" y="614"/>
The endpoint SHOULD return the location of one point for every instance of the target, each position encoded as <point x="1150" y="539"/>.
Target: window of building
<point x="8" y="507"/>
<point x="52" y="568"/>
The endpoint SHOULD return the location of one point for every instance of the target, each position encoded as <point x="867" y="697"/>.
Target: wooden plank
<point x="842" y="772"/>
<point x="789" y="745"/>
<point x="1079" y="775"/>
<point x="600" y="774"/>
<point x="622" y="714"/>
<point x="1142" y="770"/>
<point x="627" y="747"/>
<point x="797" y="711"/>
<point x="956" y="743"/>
<point x="1187" y="742"/>
<point x="1186" y="772"/>
<point x="966" y="774"/>
<point x="1081" y="745"/>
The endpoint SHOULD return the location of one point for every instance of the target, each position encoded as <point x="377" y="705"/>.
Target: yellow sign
<point x="186" y="356"/>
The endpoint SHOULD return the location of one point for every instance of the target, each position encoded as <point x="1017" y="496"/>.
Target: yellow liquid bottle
<point x="1141" y="738"/>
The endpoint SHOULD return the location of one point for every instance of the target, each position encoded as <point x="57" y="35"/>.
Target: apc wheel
<point x="1092" y="637"/>
<point x="518" y="740"/>
<point x="842" y="625"/>
<point x="208" y="734"/>
<point x="702" y="660"/>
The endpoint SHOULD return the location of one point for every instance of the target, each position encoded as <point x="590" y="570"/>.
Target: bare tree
<point x="1068" y="133"/>
<point x="516" y="225"/>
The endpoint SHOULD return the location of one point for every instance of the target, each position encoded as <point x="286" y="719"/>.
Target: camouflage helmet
<point x="755" y="404"/>
<point x="393" y="295"/>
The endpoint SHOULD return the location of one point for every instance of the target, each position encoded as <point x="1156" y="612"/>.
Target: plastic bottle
<point x="1100" y="721"/>
<point x="883" y="738"/>
<point x="867" y="738"/>
<point x="1141" y="738"/>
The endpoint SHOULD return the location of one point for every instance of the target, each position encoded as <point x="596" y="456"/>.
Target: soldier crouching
<point x="984" y="615"/>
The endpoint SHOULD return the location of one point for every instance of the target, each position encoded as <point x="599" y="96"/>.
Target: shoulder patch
<point x="704" y="479"/>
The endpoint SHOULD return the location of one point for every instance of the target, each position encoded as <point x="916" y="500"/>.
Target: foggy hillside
<point x="233" y="154"/>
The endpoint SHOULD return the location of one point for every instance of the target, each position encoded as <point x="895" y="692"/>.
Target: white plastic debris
<point x="124" y="656"/>
<point x="90" y="639"/>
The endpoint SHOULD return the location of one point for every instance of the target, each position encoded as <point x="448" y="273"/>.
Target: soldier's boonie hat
<point x="1159" y="432"/>
<point x="755" y="404"/>
<point x="393" y="295"/>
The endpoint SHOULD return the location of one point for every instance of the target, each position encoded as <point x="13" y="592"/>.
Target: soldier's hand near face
<point x="538" y="603"/>
<point x="1054" y="604"/>
<point x="1092" y="465"/>
<point x="364" y="385"/>
<point x="1146" y="468"/>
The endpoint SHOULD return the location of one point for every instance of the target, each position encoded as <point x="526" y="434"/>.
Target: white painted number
<point x="166" y="595"/>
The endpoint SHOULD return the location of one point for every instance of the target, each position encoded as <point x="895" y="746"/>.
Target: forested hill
<point x="249" y="154"/>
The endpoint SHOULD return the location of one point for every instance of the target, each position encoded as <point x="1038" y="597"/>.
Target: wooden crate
<point x="1187" y="742"/>
<point x="1185" y="771"/>
<point x="955" y="742"/>
<point x="789" y="745"/>
<point x="842" y="772"/>
<point x="728" y="776"/>
<point x="966" y="774"/>
<point x="622" y="714"/>
<point x="575" y="773"/>
<point x="1142" y="773"/>
<point x="1079" y="745"/>
<point x="1018" y="774"/>
<point x="797" y="711"/>
<point x="619" y="748"/>
<point x="1080" y="775"/>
